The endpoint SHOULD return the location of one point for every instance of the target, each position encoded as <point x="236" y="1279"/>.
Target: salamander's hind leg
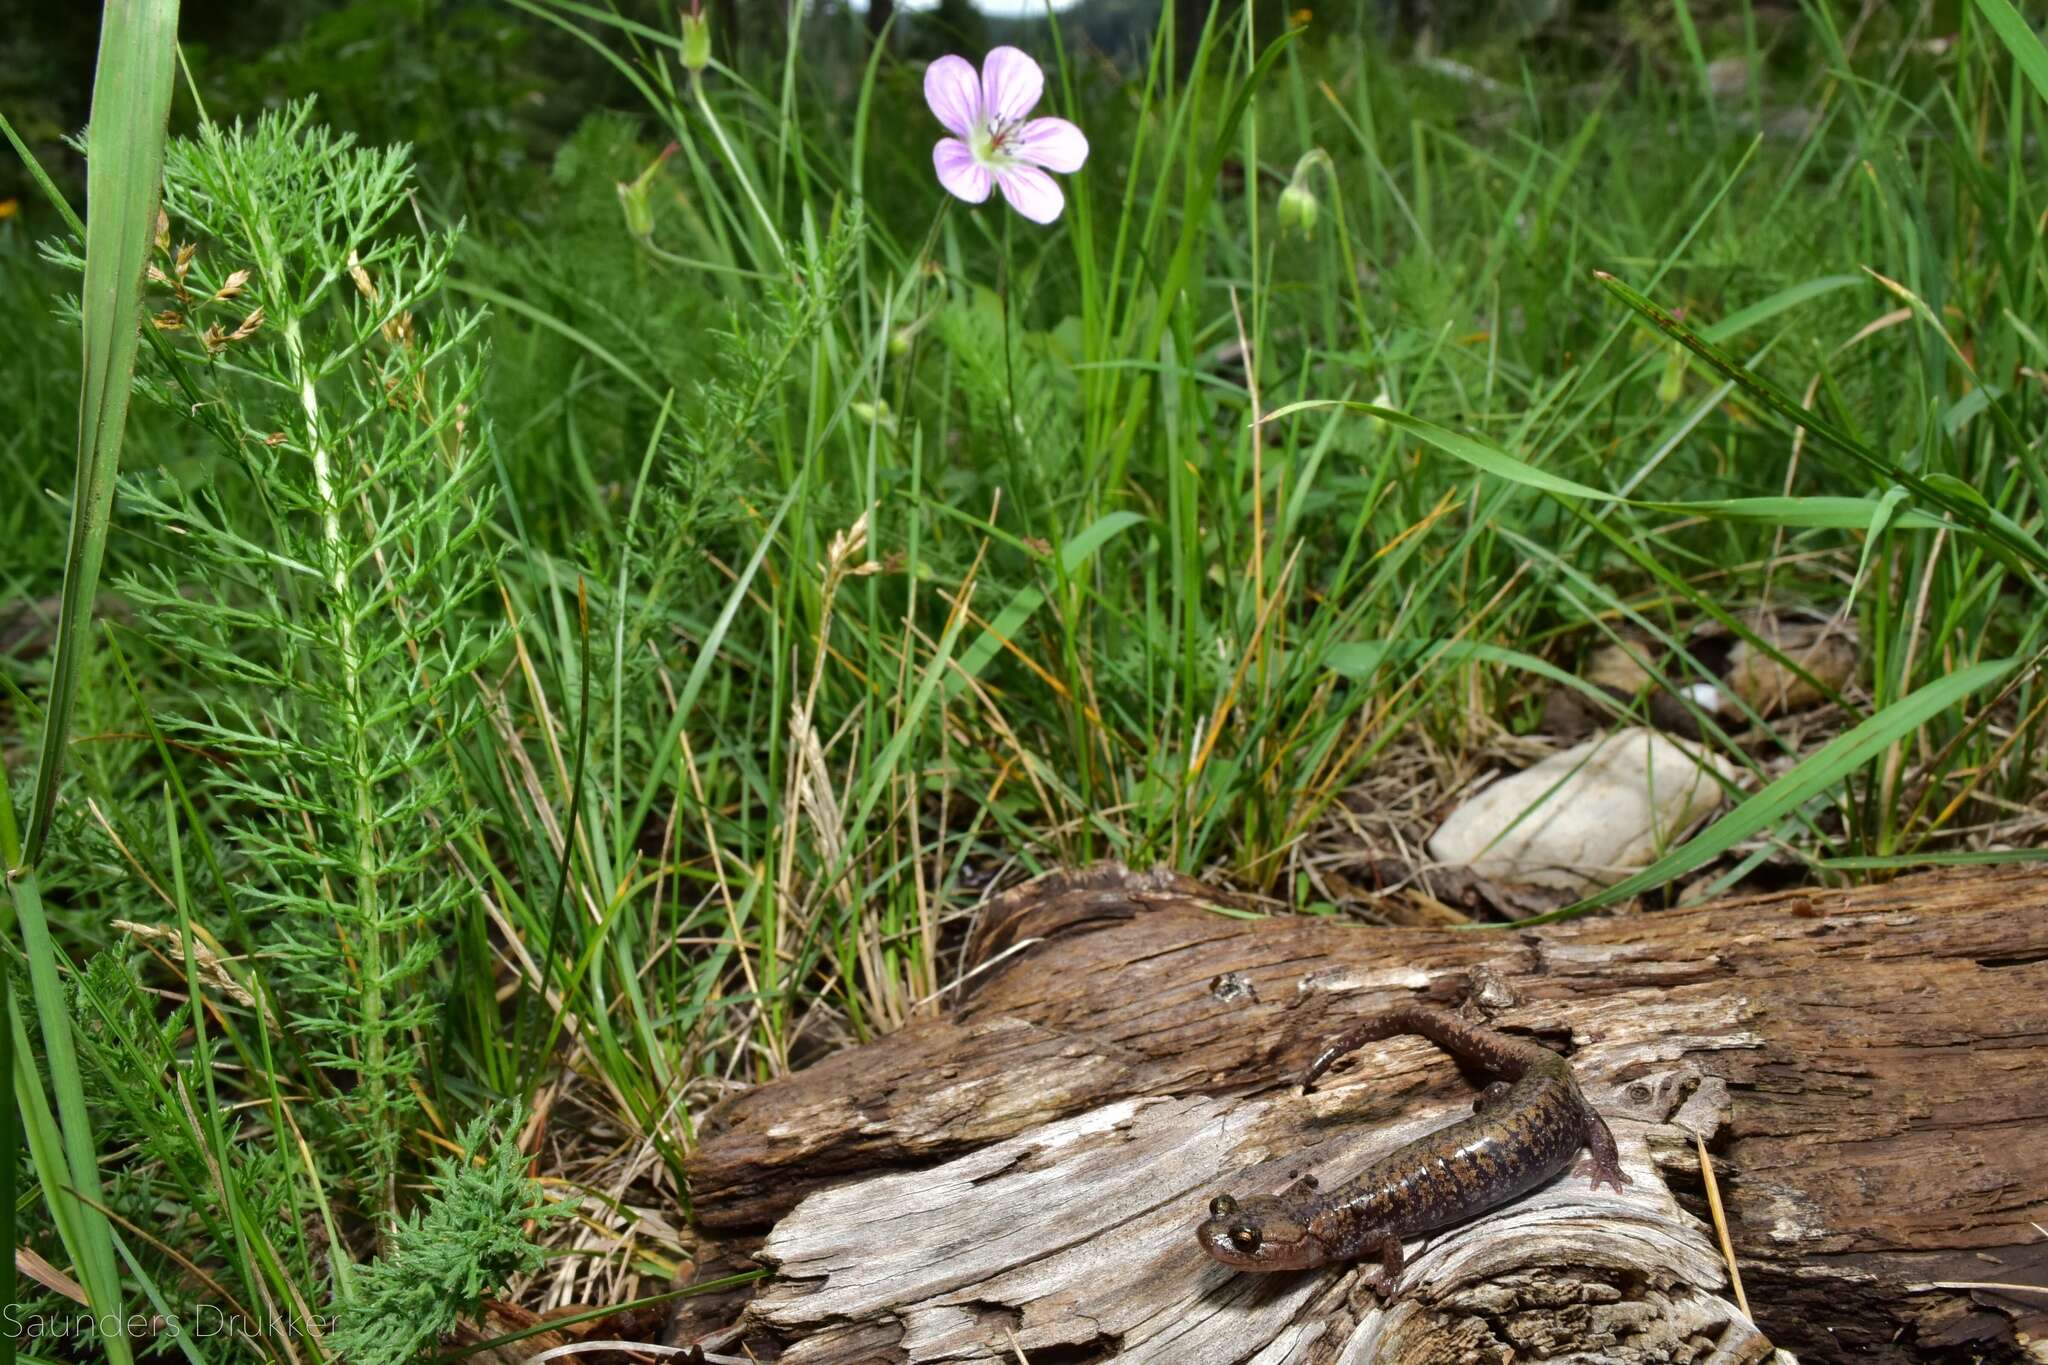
<point x="1491" y="1095"/>
<point x="1603" y="1163"/>
<point x="1385" y="1277"/>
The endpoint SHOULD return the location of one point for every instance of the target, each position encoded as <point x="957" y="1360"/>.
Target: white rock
<point x="1584" y="818"/>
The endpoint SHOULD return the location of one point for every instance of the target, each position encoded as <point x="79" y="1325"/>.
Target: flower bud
<point x="876" y="413"/>
<point x="635" y="197"/>
<point x="1299" y="206"/>
<point x="1671" y="387"/>
<point x="696" y="39"/>
<point x="1298" y="209"/>
<point x="639" y="213"/>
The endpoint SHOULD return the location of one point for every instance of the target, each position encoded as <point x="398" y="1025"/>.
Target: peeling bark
<point x="1865" y="1066"/>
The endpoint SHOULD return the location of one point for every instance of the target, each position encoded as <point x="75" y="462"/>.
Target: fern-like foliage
<point x="743" y="392"/>
<point x="313" y="578"/>
<point x="467" y="1242"/>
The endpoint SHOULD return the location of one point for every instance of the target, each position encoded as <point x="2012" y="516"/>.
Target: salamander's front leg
<point x="1385" y="1277"/>
<point x="1603" y="1162"/>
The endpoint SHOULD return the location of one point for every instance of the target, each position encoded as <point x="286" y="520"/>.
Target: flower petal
<point x="963" y="176"/>
<point x="1010" y="84"/>
<point x="1031" y="192"/>
<point x="1052" y="143"/>
<point x="954" y="93"/>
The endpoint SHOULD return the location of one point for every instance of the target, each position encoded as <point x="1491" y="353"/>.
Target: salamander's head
<point x="1259" y="1233"/>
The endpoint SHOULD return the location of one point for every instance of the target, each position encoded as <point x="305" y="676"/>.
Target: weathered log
<point x="1865" y="1066"/>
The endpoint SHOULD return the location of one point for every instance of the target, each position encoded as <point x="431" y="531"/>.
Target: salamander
<point x="1523" y="1130"/>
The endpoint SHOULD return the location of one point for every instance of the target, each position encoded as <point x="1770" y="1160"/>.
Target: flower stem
<point x="922" y="277"/>
<point x="739" y="171"/>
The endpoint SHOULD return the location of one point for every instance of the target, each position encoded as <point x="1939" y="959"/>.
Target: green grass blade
<point x="163" y="1309"/>
<point x="1483" y="455"/>
<point x="1763" y="310"/>
<point x="39" y="1131"/>
<point x="62" y="1144"/>
<point x="540" y="317"/>
<point x="1078" y="551"/>
<point x="1005" y="626"/>
<point x="1818" y="512"/>
<point x="1691" y="37"/>
<point x="1898" y="862"/>
<point x="1972" y="510"/>
<point x="1201" y="190"/>
<point x="706" y="654"/>
<point x="1825" y="767"/>
<point x="10" y="1148"/>
<point x="131" y="102"/>
<point x="2024" y="44"/>
<point x="1360" y="660"/>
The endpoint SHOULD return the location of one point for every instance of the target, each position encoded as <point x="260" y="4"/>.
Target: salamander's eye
<point x="1222" y="1206"/>
<point x="1245" y="1238"/>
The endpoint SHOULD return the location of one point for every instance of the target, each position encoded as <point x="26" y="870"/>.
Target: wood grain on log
<point x="1866" y="1067"/>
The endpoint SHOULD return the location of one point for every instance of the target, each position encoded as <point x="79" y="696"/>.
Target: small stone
<point x="1823" y="650"/>
<point x="1619" y="669"/>
<point x="1586" y="817"/>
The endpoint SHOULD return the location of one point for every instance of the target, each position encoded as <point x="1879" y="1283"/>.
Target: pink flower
<point x="992" y="142"/>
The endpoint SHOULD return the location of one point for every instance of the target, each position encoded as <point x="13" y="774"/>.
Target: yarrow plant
<point x="993" y="144"/>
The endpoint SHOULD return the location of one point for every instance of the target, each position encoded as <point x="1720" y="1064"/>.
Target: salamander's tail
<point x="1505" y="1057"/>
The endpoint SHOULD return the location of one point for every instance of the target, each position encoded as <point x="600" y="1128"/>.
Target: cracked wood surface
<point x="1866" y="1067"/>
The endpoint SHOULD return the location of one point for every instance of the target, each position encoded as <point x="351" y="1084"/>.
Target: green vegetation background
<point x="593" y="637"/>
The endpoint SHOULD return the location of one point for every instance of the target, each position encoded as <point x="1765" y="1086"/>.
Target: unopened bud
<point x="639" y="213"/>
<point x="1671" y="387"/>
<point x="877" y="414"/>
<point x="1298" y="209"/>
<point x="636" y="197"/>
<point x="1299" y="206"/>
<point x="696" y="39"/>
